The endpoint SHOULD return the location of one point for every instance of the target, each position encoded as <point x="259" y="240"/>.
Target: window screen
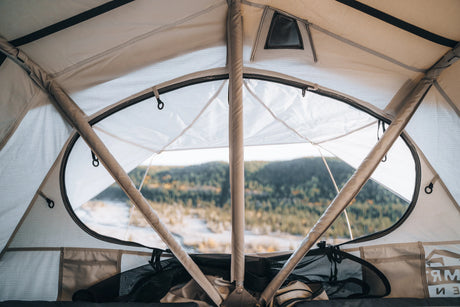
<point x="284" y="33"/>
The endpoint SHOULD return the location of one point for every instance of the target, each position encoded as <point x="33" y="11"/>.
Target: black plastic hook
<point x="49" y="201"/>
<point x="160" y="104"/>
<point x="95" y="159"/>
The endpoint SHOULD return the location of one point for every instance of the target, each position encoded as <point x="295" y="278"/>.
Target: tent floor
<point x="374" y="302"/>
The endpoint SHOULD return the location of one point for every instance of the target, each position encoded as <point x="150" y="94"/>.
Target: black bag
<point x="340" y="274"/>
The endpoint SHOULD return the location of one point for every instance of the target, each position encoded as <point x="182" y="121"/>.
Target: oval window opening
<point x="298" y="154"/>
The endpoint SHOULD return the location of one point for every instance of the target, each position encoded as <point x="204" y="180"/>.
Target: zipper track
<point x="262" y="77"/>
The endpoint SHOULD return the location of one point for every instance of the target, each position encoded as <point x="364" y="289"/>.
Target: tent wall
<point x="58" y="273"/>
<point x="34" y="147"/>
<point x="432" y="219"/>
<point x="437" y="125"/>
<point x="142" y="44"/>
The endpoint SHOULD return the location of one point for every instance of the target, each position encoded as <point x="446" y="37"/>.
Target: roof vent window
<point x="284" y="33"/>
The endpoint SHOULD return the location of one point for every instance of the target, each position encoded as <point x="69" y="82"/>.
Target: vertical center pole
<point x="236" y="150"/>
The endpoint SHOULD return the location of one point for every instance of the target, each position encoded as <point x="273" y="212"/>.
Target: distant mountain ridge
<point x="289" y="195"/>
<point x="307" y="176"/>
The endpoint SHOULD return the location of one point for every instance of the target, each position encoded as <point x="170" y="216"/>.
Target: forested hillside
<point x="286" y="196"/>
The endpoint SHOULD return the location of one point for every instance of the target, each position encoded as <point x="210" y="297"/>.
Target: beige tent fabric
<point x="355" y="25"/>
<point x="297" y="291"/>
<point x="17" y="95"/>
<point x="191" y="292"/>
<point x="99" y="63"/>
<point x="403" y="265"/>
<point x="82" y="268"/>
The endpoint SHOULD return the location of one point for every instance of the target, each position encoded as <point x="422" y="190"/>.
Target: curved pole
<point x="362" y="174"/>
<point x="78" y="120"/>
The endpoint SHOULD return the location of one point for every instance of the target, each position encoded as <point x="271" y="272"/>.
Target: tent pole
<point x="362" y="174"/>
<point x="78" y="120"/>
<point x="236" y="150"/>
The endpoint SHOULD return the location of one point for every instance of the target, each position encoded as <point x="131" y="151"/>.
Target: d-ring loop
<point x="429" y="188"/>
<point x="50" y="203"/>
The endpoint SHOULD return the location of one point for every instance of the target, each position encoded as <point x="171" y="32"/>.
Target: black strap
<point x="155" y="261"/>
<point x="399" y="23"/>
<point x="64" y="24"/>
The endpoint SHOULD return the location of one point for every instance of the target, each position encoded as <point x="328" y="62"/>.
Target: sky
<point x="251" y="153"/>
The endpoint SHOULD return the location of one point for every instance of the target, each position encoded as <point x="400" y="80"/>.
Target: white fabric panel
<point x="211" y="129"/>
<point x="96" y="98"/>
<point x="25" y="160"/>
<point x="315" y="117"/>
<point x="145" y="32"/>
<point x="140" y="131"/>
<point x="130" y="261"/>
<point x="434" y="218"/>
<point x="397" y="173"/>
<point x="320" y="119"/>
<point x="45" y="227"/>
<point x="16" y="95"/>
<point x="436" y="130"/>
<point x="29" y="275"/>
<point x="448" y="81"/>
<point x="442" y="271"/>
<point x="22" y="17"/>
<point x="367" y="30"/>
<point x="343" y="68"/>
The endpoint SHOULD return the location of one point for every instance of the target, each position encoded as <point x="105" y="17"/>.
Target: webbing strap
<point x="64" y="24"/>
<point x="399" y="23"/>
<point x="67" y="23"/>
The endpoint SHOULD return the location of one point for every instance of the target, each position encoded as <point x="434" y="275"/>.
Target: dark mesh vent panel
<point x="284" y="33"/>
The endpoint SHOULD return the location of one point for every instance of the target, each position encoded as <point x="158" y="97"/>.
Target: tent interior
<point x="103" y="102"/>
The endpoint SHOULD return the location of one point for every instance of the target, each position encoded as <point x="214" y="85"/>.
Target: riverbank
<point x="191" y="230"/>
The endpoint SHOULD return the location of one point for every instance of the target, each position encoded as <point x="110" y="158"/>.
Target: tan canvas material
<point x="403" y="265"/>
<point x="82" y="268"/>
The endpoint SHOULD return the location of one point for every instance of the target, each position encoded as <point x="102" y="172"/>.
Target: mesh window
<point x="284" y="33"/>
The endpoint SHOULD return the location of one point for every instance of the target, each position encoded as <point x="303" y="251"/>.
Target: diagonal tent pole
<point x="78" y="120"/>
<point x="362" y="174"/>
<point x="236" y="150"/>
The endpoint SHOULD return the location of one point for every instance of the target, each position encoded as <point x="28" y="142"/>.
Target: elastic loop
<point x="49" y="201"/>
<point x="381" y="122"/>
<point x="160" y="104"/>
